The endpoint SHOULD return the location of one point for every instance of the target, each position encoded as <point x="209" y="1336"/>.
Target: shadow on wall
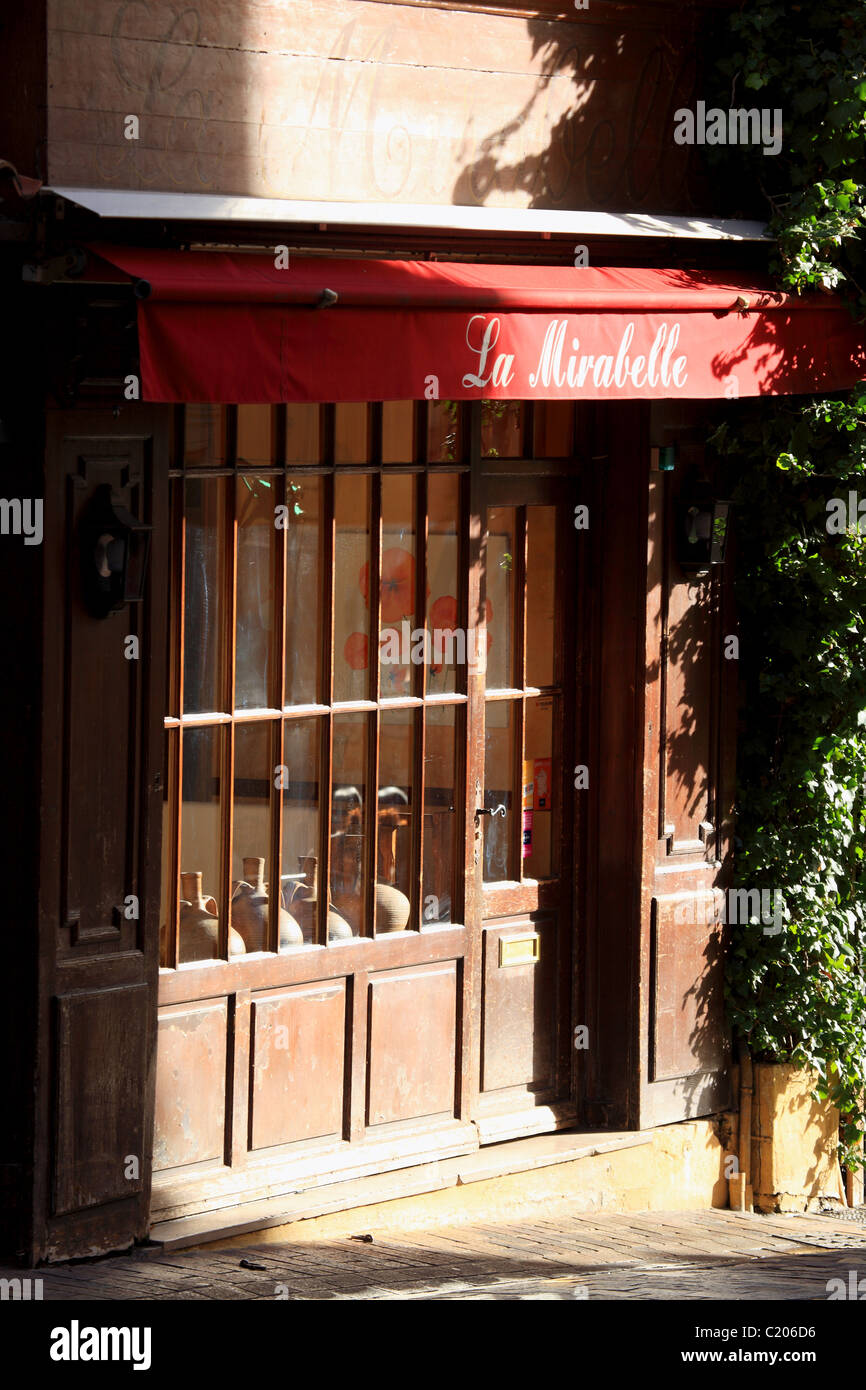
<point x="616" y="86"/>
<point x="356" y="100"/>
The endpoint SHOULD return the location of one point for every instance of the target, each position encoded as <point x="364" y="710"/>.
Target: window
<point x="316" y="690"/>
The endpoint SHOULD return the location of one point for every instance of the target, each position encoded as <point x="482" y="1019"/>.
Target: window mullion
<point x="371" y="808"/>
<point x="275" y="884"/>
<point x="320" y="935"/>
<point x="178" y="594"/>
<point x="416" y="894"/>
<point x="228" y="738"/>
<point x="278" y="690"/>
<point x="517" y="819"/>
<point x="520" y="544"/>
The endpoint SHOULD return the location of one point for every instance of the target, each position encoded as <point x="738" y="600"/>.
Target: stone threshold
<point x="491" y="1162"/>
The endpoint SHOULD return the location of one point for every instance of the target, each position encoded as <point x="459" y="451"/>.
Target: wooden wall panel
<point x="99" y="1122"/>
<point x="411" y="1043"/>
<point x="101" y="789"/>
<point x="688" y="974"/>
<point x="520" y="1014"/>
<point x="297" y="1064"/>
<point x="190" y="1084"/>
<point x="688" y="730"/>
<point x="351" y="99"/>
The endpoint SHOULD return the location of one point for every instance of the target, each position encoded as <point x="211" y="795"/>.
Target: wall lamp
<point x="701" y="532"/>
<point x="115" y="547"/>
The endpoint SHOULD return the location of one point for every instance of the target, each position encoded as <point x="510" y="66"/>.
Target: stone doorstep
<point x="492" y="1161"/>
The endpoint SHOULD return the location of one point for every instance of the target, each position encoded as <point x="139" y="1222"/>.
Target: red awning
<point x="235" y="328"/>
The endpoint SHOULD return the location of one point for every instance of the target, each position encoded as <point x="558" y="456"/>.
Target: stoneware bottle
<point x="199" y="923"/>
<point x="392" y="908"/>
<point x="305" y="905"/>
<point x="250" y="911"/>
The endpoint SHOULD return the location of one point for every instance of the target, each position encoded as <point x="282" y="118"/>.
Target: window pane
<point x="553" y="429"/>
<point x="440" y="814"/>
<point x="498" y="785"/>
<point x="443" y="609"/>
<point x="303" y="590"/>
<point x="397" y="584"/>
<point x="351" y="587"/>
<point x="398" y="431"/>
<point x="302" y="434"/>
<point x="538" y="789"/>
<point x="300" y="847"/>
<point x="254" y="638"/>
<point x="255" y="435"/>
<point x="348" y="799"/>
<point x="204" y="579"/>
<point x="540" y="594"/>
<point x="204" y="436"/>
<point x="443" y="432"/>
<point x="393" y="890"/>
<point x="499" y="604"/>
<point x="200" y="846"/>
<point x="350" y="434"/>
<point x="251" y="838"/>
<point x="502" y="429"/>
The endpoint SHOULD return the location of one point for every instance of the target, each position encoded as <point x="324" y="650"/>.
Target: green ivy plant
<point x="799" y="995"/>
<point x="809" y="62"/>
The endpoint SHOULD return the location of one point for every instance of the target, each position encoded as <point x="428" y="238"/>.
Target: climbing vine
<point x="797" y="470"/>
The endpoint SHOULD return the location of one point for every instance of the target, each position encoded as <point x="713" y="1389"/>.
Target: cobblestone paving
<point x="561" y="1254"/>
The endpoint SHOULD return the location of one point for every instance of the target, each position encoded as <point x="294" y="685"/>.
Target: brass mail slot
<point x="519" y="950"/>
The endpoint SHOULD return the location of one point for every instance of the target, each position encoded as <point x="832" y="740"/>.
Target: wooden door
<point x="103" y="679"/>
<point x="341" y="988"/>
<point x="525" y="713"/>
<point x="315" y="970"/>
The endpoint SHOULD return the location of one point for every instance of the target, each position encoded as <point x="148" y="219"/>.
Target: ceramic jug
<point x="199" y="923"/>
<point x="306" y="902"/>
<point x="250" y="911"/>
<point x="392" y="908"/>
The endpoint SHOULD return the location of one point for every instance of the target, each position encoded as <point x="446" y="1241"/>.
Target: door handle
<point x="500" y="810"/>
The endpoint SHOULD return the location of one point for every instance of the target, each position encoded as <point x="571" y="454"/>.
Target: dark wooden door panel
<point x="297" y="1064"/>
<point x="99" y="1155"/>
<point x="412" y="1043"/>
<point x="690" y="718"/>
<point x="688" y="1026"/>
<point x="99" y="882"/>
<point x="190" y="1084"/>
<point x="100" y="793"/>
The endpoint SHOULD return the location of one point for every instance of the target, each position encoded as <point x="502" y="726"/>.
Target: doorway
<point x="368" y="867"/>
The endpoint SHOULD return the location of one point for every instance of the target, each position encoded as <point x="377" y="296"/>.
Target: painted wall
<point x="382" y="102"/>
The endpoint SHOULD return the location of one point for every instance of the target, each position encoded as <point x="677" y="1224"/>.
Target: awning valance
<point x="246" y="329"/>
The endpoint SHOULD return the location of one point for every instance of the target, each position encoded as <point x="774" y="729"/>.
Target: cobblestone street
<point x="561" y="1254"/>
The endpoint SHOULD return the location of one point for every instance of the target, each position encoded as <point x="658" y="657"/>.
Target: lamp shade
<point x="115" y="547"/>
<point x="701" y="532"/>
